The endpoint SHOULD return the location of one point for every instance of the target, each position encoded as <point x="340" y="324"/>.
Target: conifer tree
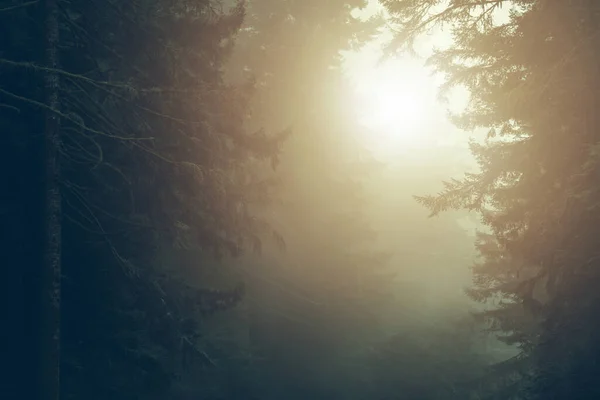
<point x="533" y="85"/>
<point x="153" y="156"/>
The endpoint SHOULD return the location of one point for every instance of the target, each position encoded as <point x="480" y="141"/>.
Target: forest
<point x="300" y="199"/>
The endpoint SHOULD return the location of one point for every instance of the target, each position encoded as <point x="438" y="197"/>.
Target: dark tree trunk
<point x="51" y="273"/>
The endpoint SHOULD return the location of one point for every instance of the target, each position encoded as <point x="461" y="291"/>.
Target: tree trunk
<point x="51" y="268"/>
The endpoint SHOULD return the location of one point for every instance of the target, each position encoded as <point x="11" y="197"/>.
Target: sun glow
<point x="394" y="102"/>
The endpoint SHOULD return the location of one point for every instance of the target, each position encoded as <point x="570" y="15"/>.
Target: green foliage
<point x="533" y="84"/>
<point x="166" y="173"/>
<point x="155" y="156"/>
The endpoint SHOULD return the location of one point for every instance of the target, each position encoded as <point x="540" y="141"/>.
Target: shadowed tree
<point x="153" y="156"/>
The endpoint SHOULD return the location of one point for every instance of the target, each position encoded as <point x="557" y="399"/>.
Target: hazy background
<point x="238" y="221"/>
<point x="366" y="278"/>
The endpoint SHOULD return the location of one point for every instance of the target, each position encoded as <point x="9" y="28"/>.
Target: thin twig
<point x="68" y="117"/>
<point x="11" y="8"/>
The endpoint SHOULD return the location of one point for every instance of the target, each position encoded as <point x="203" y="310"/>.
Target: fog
<point x="363" y="265"/>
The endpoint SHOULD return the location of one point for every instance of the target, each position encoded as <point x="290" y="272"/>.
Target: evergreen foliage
<point x="154" y="155"/>
<point x="145" y="156"/>
<point x="533" y="82"/>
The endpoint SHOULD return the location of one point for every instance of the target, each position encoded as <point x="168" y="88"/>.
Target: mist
<point x="282" y="199"/>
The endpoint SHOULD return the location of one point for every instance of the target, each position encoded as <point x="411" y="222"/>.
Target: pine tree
<point x="153" y="156"/>
<point x="533" y="84"/>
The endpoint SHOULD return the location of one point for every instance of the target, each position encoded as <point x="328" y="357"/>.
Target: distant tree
<point x="332" y="276"/>
<point x="436" y="360"/>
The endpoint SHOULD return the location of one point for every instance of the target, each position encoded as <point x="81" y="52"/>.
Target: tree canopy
<point x="153" y="154"/>
<point x="533" y="84"/>
<point x="189" y="208"/>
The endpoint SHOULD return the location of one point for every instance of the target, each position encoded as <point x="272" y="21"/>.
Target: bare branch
<point x="68" y="117"/>
<point x="16" y="7"/>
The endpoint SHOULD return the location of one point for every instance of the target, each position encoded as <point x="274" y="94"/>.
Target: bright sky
<point x="398" y="104"/>
<point x="398" y="101"/>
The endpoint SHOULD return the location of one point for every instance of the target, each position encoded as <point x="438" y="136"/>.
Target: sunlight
<point x="394" y="101"/>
